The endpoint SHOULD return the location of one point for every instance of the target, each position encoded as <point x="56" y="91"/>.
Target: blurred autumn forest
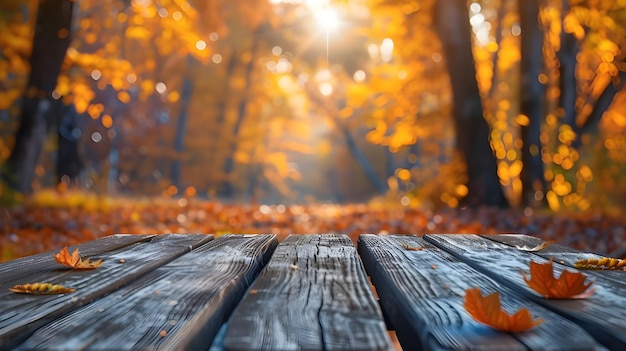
<point x="255" y="115"/>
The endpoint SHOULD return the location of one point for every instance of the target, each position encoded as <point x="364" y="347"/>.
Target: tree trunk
<point x="472" y="131"/>
<point x="567" y="74"/>
<point x="601" y="105"/>
<point x="379" y="185"/>
<point x="52" y="38"/>
<point x="360" y="157"/>
<point x="181" y="127"/>
<point x="68" y="162"/>
<point x="226" y="189"/>
<point x="531" y="92"/>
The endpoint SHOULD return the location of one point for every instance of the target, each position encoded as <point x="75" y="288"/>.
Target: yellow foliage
<point x="280" y="163"/>
<point x="461" y="190"/>
<point x="402" y="137"/>
<point x="173" y="96"/>
<point x="572" y="25"/>
<point x="147" y="87"/>
<point x="358" y="95"/>
<point x="94" y="110"/>
<point x="560" y="186"/>
<point x="346" y="112"/>
<point x="515" y="168"/>
<point x="392" y="184"/>
<point x="107" y="121"/>
<point x="403" y="174"/>
<point x="553" y="201"/>
<point x="522" y="120"/>
<point x="124" y="97"/>
<point x="242" y="157"/>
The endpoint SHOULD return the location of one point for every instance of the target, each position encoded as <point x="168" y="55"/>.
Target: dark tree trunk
<point x="379" y="185"/>
<point x="531" y="92"/>
<point x="361" y="158"/>
<point x="472" y="131"/>
<point x="181" y="127"/>
<point x="390" y="163"/>
<point x="567" y="75"/>
<point x="68" y="162"/>
<point x="226" y="189"/>
<point x="221" y="109"/>
<point x="602" y="104"/>
<point x="50" y="44"/>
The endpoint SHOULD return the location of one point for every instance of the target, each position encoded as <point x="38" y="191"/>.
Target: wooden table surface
<point x="308" y="292"/>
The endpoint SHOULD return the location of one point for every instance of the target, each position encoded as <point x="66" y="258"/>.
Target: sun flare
<point x="326" y="17"/>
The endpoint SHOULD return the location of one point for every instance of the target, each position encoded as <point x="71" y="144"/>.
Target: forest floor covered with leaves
<point x="51" y="220"/>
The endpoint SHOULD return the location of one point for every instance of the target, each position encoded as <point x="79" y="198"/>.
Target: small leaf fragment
<point x="41" y="289"/>
<point x="539" y="247"/>
<point x="412" y="248"/>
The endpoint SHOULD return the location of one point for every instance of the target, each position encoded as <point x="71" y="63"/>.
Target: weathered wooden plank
<point x="602" y="314"/>
<point x="180" y="305"/>
<point x="561" y="254"/>
<point x="18" y="268"/>
<point x="422" y="293"/>
<point x="312" y="295"/>
<point x="22" y="314"/>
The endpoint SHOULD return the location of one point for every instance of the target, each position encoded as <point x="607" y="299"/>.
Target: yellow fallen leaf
<point x="41" y="289"/>
<point x="601" y="263"/>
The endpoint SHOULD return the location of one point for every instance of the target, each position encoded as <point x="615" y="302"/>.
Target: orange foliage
<point x="568" y="285"/>
<point x="55" y="221"/>
<point x="487" y="310"/>
<point x="74" y="261"/>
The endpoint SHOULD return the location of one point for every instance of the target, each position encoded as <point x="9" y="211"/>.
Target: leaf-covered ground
<point x="54" y="220"/>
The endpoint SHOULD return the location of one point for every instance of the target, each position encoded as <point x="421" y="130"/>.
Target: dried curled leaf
<point x="487" y="310"/>
<point x="569" y="285"/>
<point x="41" y="289"/>
<point x="539" y="247"/>
<point x="73" y="260"/>
<point x="412" y="248"/>
<point x="601" y="263"/>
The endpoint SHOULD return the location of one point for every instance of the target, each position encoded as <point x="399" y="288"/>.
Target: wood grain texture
<point x="180" y="305"/>
<point x="601" y="315"/>
<point x="19" y="268"/>
<point x="422" y="292"/>
<point x="313" y="295"/>
<point x="562" y="254"/>
<point x="22" y="314"/>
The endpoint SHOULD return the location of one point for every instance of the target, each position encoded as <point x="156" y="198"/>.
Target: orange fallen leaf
<point x="487" y="310"/>
<point x="74" y="261"/>
<point x="568" y="285"/>
<point x="41" y="289"/>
